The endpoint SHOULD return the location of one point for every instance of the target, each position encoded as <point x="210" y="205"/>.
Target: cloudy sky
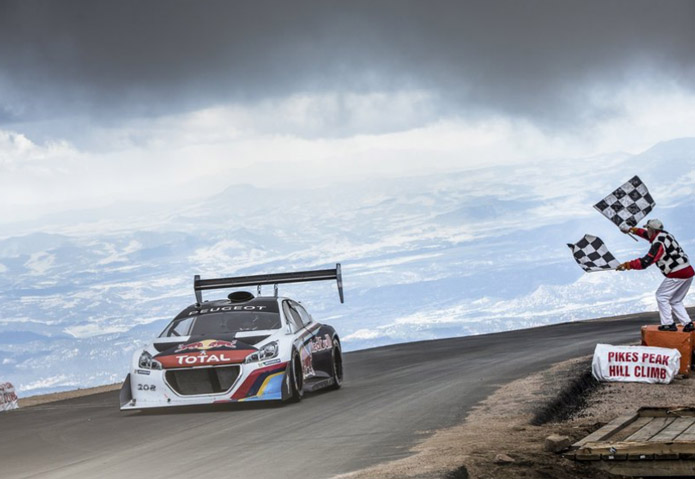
<point x="103" y="102"/>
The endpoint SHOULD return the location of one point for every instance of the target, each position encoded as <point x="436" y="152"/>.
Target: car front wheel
<point x="296" y="377"/>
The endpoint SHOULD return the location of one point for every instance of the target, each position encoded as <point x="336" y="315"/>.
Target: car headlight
<point x="146" y="361"/>
<point x="268" y="351"/>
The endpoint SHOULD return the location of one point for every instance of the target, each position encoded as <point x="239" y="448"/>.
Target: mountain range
<point x="472" y="251"/>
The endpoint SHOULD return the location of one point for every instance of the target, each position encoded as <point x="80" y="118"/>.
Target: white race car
<point x="241" y="348"/>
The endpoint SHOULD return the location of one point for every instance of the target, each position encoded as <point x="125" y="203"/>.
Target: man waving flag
<point x="668" y="255"/>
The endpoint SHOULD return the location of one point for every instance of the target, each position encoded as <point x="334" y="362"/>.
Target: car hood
<point x="209" y="350"/>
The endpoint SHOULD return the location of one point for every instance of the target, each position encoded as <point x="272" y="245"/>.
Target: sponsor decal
<point x="207" y="344"/>
<point x="192" y="360"/>
<point x="144" y="372"/>
<point x="227" y="309"/>
<point x="307" y="362"/>
<point x="270" y="388"/>
<point x="321" y="343"/>
<point x="202" y="354"/>
<point x="255" y="381"/>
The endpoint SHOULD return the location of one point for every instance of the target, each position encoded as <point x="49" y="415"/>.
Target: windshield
<point x="223" y="323"/>
<point x="178" y="327"/>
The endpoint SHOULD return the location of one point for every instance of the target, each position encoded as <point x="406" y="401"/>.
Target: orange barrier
<point x="683" y="342"/>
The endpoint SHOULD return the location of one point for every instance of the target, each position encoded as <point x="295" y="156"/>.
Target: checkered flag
<point x="592" y="255"/>
<point x="628" y="204"/>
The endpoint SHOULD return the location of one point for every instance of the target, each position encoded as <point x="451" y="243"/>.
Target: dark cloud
<point x="111" y="60"/>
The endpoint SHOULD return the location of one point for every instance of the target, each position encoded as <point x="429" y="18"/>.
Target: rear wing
<point x="200" y="285"/>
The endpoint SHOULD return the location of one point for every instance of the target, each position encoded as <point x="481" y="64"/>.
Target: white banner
<point x="8" y="398"/>
<point x="642" y="364"/>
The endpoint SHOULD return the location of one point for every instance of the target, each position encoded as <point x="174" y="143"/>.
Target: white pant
<point x="669" y="297"/>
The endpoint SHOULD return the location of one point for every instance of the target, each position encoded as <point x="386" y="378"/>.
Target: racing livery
<point x="242" y="348"/>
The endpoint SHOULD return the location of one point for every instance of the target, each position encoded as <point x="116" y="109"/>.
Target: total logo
<point x="190" y="360"/>
<point x="207" y="344"/>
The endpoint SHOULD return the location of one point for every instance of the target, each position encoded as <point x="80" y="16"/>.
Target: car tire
<point x="336" y="364"/>
<point x="296" y="379"/>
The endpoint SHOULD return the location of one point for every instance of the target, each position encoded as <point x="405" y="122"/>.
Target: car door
<point x="321" y="343"/>
<point x="303" y="336"/>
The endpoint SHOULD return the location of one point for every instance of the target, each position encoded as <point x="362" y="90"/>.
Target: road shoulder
<point x="76" y="393"/>
<point x="498" y="440"/>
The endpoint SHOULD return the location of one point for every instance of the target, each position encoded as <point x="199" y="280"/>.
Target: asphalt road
<point x="392" y="397"/>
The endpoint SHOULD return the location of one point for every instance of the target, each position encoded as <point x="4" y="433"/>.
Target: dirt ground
<point x="502" y="425"/>
<point x="46" y="398"/>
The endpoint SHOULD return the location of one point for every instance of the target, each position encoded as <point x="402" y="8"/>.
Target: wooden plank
<point x="670" y="456"/>
<point x="587" y="457"/>
<point x="629" y="430"/>
<point x="614" y="457"/>
<point x="632" y="448"/>
<point x="640" y="457"/>
<point x="673" y="430"/>
<point x="658" y="435"/>
<point x="688" y="435"/>
<point x="612" y="427"/>
<point x="651" y="429"/>
<point x="648" y="468"/>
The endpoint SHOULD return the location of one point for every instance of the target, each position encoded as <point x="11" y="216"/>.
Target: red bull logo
<point x="321" y="343"/>
<point x="307" y="362"/>
<point x="207" y="344"/>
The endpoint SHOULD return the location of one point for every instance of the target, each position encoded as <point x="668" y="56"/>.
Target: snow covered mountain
<point x="463" y="253"/>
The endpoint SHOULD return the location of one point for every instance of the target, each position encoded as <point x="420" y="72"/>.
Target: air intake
<point x="240" y="296"/>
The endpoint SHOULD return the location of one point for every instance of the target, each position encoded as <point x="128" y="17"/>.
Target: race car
<point x="244" y="347"/>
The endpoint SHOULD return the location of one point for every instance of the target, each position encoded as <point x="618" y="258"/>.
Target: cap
<point x="654" y="224"/>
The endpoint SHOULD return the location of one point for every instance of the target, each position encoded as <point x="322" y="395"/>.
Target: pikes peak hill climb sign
<point x="642" y="364"/>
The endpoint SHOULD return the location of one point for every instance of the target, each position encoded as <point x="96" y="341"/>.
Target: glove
<point x="624" y="267"/>
<point x="625" y="229"/>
